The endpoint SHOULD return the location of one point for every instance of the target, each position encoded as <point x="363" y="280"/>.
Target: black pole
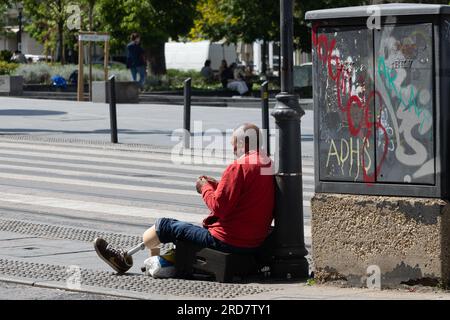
<point x="264" y="59"/>
<point x="19" y="33"/>
<point x="289" y="244"/>
<point x="265" y="114"/>
<point x="187" y="112"/>
<point x="112" y="109"/>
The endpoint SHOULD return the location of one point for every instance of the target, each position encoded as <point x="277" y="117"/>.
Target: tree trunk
<point x="156" y="58"/>
<point x="61" y="51"/>
<point x="264" y="58"/>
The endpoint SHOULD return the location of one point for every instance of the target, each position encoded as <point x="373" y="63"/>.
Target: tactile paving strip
<point x="68" y="233"/>
<point x="136" y="284"/>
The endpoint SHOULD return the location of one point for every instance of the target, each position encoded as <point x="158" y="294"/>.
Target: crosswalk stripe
<point x="109" y="164"/>
<point x="114" y="161"/>
<point x="107" y="152"/>
<point x="122" y="170"/>
<point x="74" y="173"/>
<point x="124" y="162"/>
<point x="96" y="207"/>
<point x="91" y="184"/>
<point x="78" y="166"/>
<point x="77" y="173"/>
<point x="128" y="187"/>
<point x="208" y="159"/>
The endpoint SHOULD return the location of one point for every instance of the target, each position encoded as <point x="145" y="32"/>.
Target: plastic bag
<point x="59" y="82"/>
<point x="161" y="266"/>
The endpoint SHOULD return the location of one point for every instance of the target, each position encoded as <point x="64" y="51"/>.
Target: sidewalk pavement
<point x="149" y="124"/>
<point x="49" y="261"/>
<point x="55" y="256"/>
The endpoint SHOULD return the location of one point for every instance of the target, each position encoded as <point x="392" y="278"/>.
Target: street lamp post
<point x="19" y="33"/>
<point x="288" y="255"/>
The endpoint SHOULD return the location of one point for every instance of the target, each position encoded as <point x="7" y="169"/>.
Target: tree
<point x="157" y="21"/>
<point x="249" y="21"/>
<point x="237" y="20"/>
<point x="302" y="33"/>
<point x="47" y="19"/>
<point x="3" y="8"/>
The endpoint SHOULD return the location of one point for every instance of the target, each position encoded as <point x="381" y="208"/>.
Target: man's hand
<point x="200" y="183"/>
<point x="211" y="180"/>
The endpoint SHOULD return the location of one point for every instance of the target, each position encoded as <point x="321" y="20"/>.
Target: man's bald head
<point x="246" y="138"/>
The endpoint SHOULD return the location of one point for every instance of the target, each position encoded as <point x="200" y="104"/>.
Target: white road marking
<point x="74" y="173"/>
<point x="96" y="157"/>
<point x="104" y="152"/>
<point x="94" y="184"/>
<point x="96" y="207"/>
<point x="127" y="163"/>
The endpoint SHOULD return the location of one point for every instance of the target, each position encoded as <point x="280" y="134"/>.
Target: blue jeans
<point x="142" y="72"/>
<point x="171" y="230"/>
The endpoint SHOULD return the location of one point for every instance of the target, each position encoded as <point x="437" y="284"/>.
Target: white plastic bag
<point x="158" y="267"/>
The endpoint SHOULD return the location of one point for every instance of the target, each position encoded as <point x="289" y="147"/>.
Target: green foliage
<point x="47" y="21"/>
<point x="5" y="55"/>
<point x="302" y="33"/>
<point x="3" y="7"/>
<point x="156" y="21"/>
<point x="174" y="80"/>
<point x="311" y="282"/>
<point x="248" y="21"/>
<point x="41" y="73"/>
<point x="7" y="68"/>
<point x="237" y="20"/>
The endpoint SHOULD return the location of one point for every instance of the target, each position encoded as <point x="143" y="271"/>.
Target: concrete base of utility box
<point x="11" y="85"/>
<point x="126" y="92"/>
<point x="408" y="239"/>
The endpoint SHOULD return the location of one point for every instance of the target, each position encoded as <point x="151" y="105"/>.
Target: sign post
<point x="90" y="37"/>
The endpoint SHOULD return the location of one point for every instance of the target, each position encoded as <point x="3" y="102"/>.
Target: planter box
<point x="11" y="85"/>
<point x="126" y="92"/>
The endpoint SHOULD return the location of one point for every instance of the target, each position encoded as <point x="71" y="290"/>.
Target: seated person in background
<point x="19" y="57"/>
<point x="207" y="72"/>
<point x="248" y="76"/>
<point x="225" y="74"/>
<point x="238" y="82"/>
<point x="241" y="206"/>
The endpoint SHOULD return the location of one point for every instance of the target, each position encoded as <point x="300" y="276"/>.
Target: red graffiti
<point x="325" y="55"/>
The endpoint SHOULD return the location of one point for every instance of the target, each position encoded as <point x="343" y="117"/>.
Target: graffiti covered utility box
<point x="381" y="79"/>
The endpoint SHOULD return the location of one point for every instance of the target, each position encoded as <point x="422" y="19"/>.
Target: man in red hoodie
<point x="241" y="206"/>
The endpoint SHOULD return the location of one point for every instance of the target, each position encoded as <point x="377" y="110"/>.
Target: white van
<point x="192" y="55"/>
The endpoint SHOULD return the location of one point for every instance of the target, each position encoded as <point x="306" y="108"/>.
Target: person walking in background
<point x="136" y="61"/>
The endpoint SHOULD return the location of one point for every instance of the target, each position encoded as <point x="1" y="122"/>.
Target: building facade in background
<point x="8" y="36"/>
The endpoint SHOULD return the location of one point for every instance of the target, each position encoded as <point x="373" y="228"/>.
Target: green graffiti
<point x="390" y="75"/>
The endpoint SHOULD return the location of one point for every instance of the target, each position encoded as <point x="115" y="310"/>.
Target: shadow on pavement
<point x="25" y="112"/>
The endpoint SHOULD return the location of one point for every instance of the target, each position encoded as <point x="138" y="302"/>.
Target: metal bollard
<point x="112" y="109"/>
<point x="187" y="112"/>
<point x="265" y="114"/>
